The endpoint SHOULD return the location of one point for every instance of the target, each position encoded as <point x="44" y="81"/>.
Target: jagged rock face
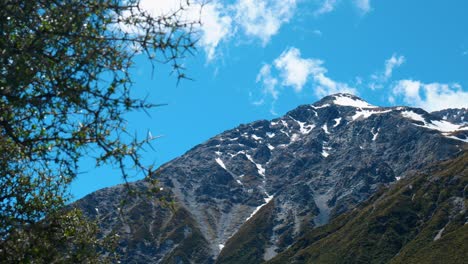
<point x="454" y="115"/>
<point x="421" y="219"/>
<point x="312" y="164"/>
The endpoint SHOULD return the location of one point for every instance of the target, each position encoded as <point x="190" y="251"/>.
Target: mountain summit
<point x="248" y="193"/>
<point x="344" y="99"/>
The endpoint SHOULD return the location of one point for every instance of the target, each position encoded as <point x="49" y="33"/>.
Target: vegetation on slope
<point x="248" y="244"/>
<point x="421" y="219"/>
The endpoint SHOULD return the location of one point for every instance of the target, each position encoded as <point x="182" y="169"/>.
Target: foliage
<point x="65" y="88"/>
<point x="66" y="237"/>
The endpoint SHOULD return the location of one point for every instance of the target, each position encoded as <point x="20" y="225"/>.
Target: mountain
<point x="454" y="115"/>
<point x="422" y="219"/>
<point x="249" y="193"/>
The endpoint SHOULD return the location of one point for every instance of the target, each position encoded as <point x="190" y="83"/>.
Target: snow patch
<point x="367" y="113"/>
<point x="414" y="116"/>
<point x="270" y="147"/>
<point x="337" y="121"/>
<point x="354" y="102"/>
<point x="375" y="134"/>
<point x="325" y="128"/>
<point x="322" y="106"/>
<point x="439" y="234"/>
<point x="221" y="163"/>
<point x="267" y="200"/>
<point x="294" y="137"/>
<point x="325" y="149"/>
<point x="305" y="129"/>
<point x="260" y="168"/>
<point x="457" y="138"/>
<point x="445" y="127"/>
<point x="256" y="137"/>
<point x="221" y="246"/>
<point x="325" y="153"/>
<point x="285" y="132"/>
<point x="270" y="135"/>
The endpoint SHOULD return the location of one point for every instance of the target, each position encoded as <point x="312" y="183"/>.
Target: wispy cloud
<point x="363" y="5"/>
<point x="326" y="6"/>
<point x="290" y="69"/>
<point x="324" y="85"/>
<point x="432" y="96"/>
<point x="269" y="83"/>
<point x="295" y="70"/>
<point x="251" y="19"/>
<point x="216" y="27"/>
<point x="216" y="24"/>
<point x="392" y="63"/>
<point x="262" y="19"/>
<point x="380" y="78"/>
<point x="318" y="32"/>
<point x="254" y="19"/>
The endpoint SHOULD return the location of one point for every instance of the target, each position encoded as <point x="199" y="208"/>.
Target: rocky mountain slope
<point x="454" y="115"/>
<point x="250" y="192"/>
<point x="422" y="219"/>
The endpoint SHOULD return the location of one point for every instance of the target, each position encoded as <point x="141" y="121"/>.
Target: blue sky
<point x="258" y="59"/>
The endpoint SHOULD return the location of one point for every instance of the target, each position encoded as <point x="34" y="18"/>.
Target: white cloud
<point x="432" y="96"/>
<point x="363" y="5"/>
<point x="380" y="78"/>
<point x="270" y="90"/>
<point x="215" y="24"/>
<point x="257" y="19"/>
<point x="326" y="86"/>
<point x="392" y="63"/>
<point x="326" y="6"/>
<point x="269" y="83"/>
<point x="215" y="27"/>
<point x="318" y="32"/>
<point x="294" y="71"/>
<point x="263" y="18"/>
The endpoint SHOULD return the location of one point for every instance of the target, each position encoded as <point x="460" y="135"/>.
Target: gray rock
<point x="316" y="162"/>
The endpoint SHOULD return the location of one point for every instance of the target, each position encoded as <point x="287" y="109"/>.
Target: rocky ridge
<point x="286" y="175"/>
<point x="421" y="219"/>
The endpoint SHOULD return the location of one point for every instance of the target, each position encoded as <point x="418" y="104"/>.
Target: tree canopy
<point x="65" y="87"/>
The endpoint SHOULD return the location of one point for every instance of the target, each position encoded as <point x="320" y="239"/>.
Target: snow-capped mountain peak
<point x="344" y="99"/>
<point x="291" y="174"/>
